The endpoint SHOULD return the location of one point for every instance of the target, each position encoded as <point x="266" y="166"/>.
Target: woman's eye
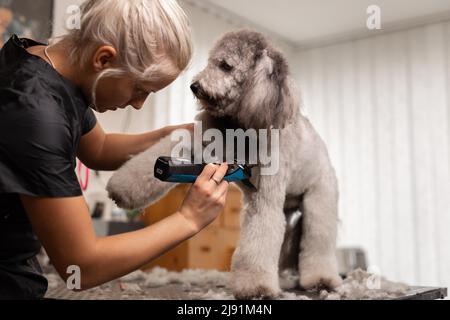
<point x="225" y="66"/>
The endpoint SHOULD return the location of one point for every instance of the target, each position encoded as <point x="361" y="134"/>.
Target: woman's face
<point x="6" y="17"/>
<point x="119" y="93"/>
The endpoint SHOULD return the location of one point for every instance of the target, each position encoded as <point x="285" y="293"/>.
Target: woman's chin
<point x="105" y="109"/>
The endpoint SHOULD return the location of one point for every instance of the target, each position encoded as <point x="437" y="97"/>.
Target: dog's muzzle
<point x="201" y="95"/>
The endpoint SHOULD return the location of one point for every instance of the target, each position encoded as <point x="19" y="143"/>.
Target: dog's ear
<point x="268" y="100"/>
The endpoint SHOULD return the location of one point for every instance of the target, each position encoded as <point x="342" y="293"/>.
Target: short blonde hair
<point x="151" y="36"/>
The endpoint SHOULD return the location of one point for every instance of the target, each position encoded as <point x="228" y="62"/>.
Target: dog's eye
<point x="225" y="66"/>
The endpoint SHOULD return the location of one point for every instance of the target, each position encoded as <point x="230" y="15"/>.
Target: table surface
<point x="178" y="292"/>
<point x="425" y="293"/>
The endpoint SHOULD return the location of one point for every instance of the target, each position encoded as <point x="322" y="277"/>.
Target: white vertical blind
<point x="382" y="104"/>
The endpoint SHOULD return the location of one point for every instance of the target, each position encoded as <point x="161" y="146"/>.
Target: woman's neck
<point x="58" y="56"/>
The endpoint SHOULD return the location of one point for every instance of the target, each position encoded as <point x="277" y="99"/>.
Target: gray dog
<point x="247" y="85"/>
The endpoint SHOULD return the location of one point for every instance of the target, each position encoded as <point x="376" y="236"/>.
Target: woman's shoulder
<point x="31" y="121"/>
<point x="23" y="74"/>
<point x="27" y="95"/>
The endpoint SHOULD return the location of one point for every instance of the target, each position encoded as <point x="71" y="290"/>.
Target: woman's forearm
<point x="119" y="148"/>
<point x="119" y="255"/>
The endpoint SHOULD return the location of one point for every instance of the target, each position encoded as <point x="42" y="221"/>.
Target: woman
<point x="6" y="17"/>
<point x="124" y="51"/>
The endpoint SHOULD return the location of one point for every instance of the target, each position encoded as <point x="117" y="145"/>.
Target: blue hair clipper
<point x="178" y="170"/>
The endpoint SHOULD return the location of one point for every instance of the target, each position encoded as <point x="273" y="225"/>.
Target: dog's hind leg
<point x="317" y="261"/>
<point x="134" y="186"/>
<point x="255" y="262"/>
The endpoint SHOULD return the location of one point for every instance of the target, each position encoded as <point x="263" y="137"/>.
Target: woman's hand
<point x="206" y="199"/>
<point x="188" y="126"/>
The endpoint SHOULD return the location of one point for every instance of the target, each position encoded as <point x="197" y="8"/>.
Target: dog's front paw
<point x="123" y="191"/>
<point x="131" y="190"/>
<point x="319" y="271"/>
<point x="122" y="199"/>
<point x="247" y="285"/>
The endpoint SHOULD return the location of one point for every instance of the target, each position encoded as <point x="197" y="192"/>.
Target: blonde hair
<point x="152" y="37"/>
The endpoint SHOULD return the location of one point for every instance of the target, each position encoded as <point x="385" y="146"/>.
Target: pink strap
<point x="84" y="185"/>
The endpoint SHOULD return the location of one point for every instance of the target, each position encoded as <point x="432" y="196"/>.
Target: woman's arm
<point x="65" y="229"/>
<point x="108" y="152"/>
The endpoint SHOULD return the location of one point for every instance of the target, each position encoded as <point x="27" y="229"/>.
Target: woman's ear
<point x="104" y="58"/>
<point x="268" y="100"/>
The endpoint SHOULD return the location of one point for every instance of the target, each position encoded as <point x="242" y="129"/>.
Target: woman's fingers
<point x="220" y="173"/>
<point x="208" y="173"/>
<point x="222" y="190"/>
<point x="187" y="126"/>
<point x="207" y="197"/>
<point x="213" y="173"/>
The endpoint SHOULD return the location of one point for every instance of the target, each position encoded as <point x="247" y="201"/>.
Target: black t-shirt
<point x="42" y="118"/>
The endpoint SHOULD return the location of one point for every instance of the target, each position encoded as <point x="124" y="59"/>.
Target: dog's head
<point x="246" y="79"/>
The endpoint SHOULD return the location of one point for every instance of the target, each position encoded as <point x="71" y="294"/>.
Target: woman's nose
<point x="137" y="104"/>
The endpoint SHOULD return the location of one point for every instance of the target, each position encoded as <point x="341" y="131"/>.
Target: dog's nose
<point x="195" y="87"/>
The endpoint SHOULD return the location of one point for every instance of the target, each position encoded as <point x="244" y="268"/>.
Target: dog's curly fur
<point x="247" y="85"/>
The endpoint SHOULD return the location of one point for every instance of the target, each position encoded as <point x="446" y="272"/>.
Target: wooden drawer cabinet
<point x="210" y="249"/>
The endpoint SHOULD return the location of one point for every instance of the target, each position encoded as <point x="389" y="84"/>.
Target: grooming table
<point x="425" y="293"/>
<point x="178" y="292"/>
